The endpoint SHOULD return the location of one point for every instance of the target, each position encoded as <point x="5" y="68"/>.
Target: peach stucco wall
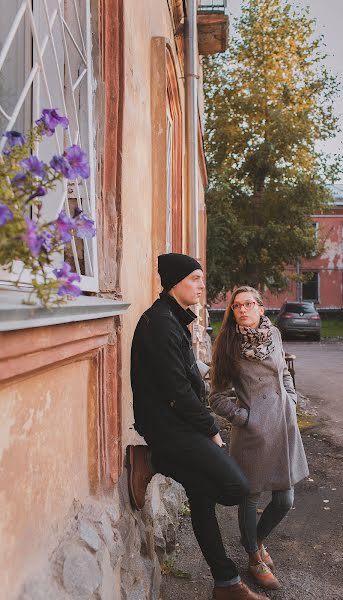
<point x="142" y="23"/>
<point x="43" y="465"/>
<point x="48" y="431"/>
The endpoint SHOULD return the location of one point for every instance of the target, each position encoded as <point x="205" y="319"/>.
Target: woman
<point x="265" y="439"/>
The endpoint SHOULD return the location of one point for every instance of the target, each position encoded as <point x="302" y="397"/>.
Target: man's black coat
<point x="166" y="383"/>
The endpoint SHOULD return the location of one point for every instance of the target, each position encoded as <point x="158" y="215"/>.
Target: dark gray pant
<point x="277" y="509"/>
<point x="209" y="476"/>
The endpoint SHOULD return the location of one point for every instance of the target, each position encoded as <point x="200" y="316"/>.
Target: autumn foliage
<point x="269" y="101"/>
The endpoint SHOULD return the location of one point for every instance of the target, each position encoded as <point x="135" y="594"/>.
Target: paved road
<point x="319" y="376"/>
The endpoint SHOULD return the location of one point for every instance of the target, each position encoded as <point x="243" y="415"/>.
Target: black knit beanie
<point x="174" y="267"/>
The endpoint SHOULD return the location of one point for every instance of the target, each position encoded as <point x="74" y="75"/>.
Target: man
<point x="183" y="440"/>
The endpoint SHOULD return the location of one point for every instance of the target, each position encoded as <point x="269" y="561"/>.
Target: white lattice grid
<point x="45" y="62"/>
<point x="212" y="5"/>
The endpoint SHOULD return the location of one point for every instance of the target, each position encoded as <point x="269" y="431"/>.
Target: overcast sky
<point x="329" y="16"/>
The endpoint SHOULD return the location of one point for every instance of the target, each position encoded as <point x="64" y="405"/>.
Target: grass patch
<point x="169" y="568"/>
<point x="305" y="420"/>
<point x="185" y="511"/>
<point x="215" y="328"/>
<point x="332" y="328"/>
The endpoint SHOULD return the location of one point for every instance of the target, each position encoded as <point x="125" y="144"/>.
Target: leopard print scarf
<point x="258" y="343"/>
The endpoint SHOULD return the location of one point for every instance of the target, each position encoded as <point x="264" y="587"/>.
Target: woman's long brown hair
<point x="227" y="346"/>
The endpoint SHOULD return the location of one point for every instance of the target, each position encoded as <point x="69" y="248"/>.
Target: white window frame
<point x="51" y="21"/>
<point x="316" y="227"/>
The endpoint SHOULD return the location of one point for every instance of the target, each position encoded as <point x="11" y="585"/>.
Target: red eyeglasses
<point x="249" y="305"/>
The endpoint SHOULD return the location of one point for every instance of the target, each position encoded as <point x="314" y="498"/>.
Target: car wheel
<point x="315" y="337"/>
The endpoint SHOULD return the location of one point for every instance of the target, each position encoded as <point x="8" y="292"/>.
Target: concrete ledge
<point x="15" y="315"/>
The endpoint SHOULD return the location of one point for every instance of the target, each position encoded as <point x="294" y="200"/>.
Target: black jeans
<point x="209" y="476"/>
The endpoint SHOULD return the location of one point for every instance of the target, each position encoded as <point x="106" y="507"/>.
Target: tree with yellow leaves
<point x="269" y="101"/>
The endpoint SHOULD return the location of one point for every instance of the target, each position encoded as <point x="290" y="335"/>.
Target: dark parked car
<point x="299" y="318"/>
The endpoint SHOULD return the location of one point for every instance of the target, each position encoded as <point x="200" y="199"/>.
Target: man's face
<point x="190" y="289"/>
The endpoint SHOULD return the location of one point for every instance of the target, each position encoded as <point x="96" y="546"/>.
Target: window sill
<point x="14" y="315"/>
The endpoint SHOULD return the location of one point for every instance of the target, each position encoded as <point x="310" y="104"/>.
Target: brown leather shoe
<point x="139" y="474"/>
<point x="239" y="591"/>
<point x="263" y="576"/>
<point x="266" y="558"/>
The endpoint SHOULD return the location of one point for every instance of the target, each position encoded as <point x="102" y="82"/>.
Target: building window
<point x="310" y="289"/>
<point x="174" y="159"/>
<point x="315" y="226"/>
<point x="45" y="62"/>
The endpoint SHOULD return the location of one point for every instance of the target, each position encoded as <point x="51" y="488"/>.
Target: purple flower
<point x="47" y="236"/>
<point x="72" y="164"/>
<point x="67" y="278"/>
<point x="77" y="159"/>
<point x="49" y="121"/>
<point x="77" y="212"/>
<point x="40" y="191"/>
<point x="61" y="165"/>
<point x="32" y="238"/>
<point x="85" y="227"/>
<point x="5" y="214"/>
<point x="19" y="180"/>
<point x="34" y="165"/>
<point x="14" y="138"/>
<point x="64" y="226"/>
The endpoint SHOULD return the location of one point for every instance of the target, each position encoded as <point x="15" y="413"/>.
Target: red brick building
<point x="325" y="287"/>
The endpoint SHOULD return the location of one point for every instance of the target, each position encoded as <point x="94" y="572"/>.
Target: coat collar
<point x="186" y="317"/>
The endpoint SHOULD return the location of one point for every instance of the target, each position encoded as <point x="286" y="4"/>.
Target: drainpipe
<point x="191" y="77"/>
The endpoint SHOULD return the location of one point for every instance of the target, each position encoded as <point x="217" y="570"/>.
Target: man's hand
<point x="217" y="440"/>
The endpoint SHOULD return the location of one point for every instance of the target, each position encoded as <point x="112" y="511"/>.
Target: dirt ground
<point x="307" y="547"/>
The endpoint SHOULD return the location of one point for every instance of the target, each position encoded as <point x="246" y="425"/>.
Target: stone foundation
<point x="108" y="551"/>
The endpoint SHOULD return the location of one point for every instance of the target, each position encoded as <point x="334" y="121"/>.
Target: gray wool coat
<point x="265" y="438"/>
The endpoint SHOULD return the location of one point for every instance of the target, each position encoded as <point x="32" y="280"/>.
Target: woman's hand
<point x="217" y="440"/>
<point x="224" y="405"/>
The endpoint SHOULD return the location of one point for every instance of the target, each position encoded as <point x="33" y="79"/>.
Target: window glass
<point x="311" y="288"/>
<point x="45" y="62"/>
<point x="299" y="308"/>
